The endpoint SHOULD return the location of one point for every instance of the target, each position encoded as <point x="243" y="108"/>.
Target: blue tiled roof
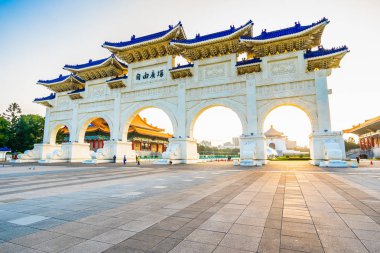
<point x="5" y="149"/>
<point x="247" y="62"/>
<point x="92" y="63"/>
<point x="76" y="91"/>
<point x="189" y="65"/>
<point x="61" y="78"/>
<point x="118" y="78"/>
<point x="321" y="51"/>
<point x="199" y="38"/>
<point x="50" y="97"/>
<point x="286" y="31"/>
<point x="135" y="40"/>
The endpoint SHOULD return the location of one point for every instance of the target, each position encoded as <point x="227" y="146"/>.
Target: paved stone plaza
<point x="212" y="207"/>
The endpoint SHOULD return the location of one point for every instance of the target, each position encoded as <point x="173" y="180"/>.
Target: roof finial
<point x="197" y="35"/>
<point x="60" y="75"/>
<point x="232" y="27"/>
<point x="133" y="37"/>
<point x="170" y="27"/>
<point x="264" y="31"/>
<point x="89" y="61"/>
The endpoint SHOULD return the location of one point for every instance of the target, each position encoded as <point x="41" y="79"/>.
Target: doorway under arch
<point x="287" y="130"/>
<point x="148" y="129"/>
<point x="217" y="130"/>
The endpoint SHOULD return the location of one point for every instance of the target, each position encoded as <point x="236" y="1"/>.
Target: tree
<point x="4" y="132"/>
<point x="29" y="130"/>
<point x="350" y="144"/>
<point x="12" y="113"/>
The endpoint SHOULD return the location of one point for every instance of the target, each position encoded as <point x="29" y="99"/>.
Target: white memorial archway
<point x="283" y="68"/>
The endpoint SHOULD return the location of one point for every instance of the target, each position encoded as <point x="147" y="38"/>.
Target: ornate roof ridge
<point x="118" y="78"/>
<point x="91" y="64"/>
<point x="198" y="38"/>
<point x="61" y="78"/>
<point x="136" y="40"/>
<point x="50" y="97"/>
<point x="297" y="28"/>
<point x="321" y="51"/>
<point x="189" y="65"/>
<point x="76" y="91"/>
<point x="248" y="61"/>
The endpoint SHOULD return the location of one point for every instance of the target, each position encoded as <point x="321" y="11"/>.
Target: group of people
<point x="138" y="159"/>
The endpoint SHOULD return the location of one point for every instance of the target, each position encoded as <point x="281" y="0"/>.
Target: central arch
<point x="196" y="111"/>
<point x="131" y="112"/>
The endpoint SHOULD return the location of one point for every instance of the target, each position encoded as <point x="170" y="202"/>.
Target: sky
<point x="38" y="37"/>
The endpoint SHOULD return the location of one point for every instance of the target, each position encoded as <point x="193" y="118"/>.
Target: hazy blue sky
<point x="37" y="37"/>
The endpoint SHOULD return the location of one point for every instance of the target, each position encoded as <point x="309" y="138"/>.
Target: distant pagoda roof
<point x="273" y="133"/>
<point x="91" y="70"/>
<point x="45" y="100"/>
<point x="146" y="47"/>
<point x="368" y="126"/>
<point x="325" y="58"/>
<point x="63" y="83"/>
<point x="214" y="44"/>
<point x="138" y="125"/>
<point x="297" y="37"/>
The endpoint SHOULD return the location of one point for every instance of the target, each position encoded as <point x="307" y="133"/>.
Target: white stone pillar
<point x="46" y="138"/>
<point x="252" y="128"/>
<point x="322" y="100"/>
<point x="74" y="124"/>
<point x="114" y="136"/>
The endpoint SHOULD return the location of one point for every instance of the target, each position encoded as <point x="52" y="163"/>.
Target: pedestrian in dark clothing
<point x="358" y="159"/>
<point x="138" y="160"/>
<point x="114" y="158"/>
<point x="125" y="160"/>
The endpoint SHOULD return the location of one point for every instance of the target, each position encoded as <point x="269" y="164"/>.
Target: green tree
<point x="29" y="130"/>
<point x="12" y="114"/>
<point x="4" y="132"/>
<point x="350" y="143"/>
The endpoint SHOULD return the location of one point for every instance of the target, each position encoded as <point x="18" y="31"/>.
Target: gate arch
<point x="131" y="112"/>
<point x="54" y="128"/>
<point x="308" y="108"/>
<point x="195" y="112"/>
<point x="83" y="125"/>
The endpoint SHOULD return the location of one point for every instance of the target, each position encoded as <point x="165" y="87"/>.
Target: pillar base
<point x="39" y="152"/>
<point x="179" y="151"/>
<point x="68" y="152"/>
<point x="253" y="150"/>
<point x="111" y="148"/>
<point x="327" y="146"/>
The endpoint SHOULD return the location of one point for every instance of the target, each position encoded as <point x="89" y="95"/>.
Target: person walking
<point x="138" y="160"/>
<point x="114" y="158"/>
<point x="358" y="159"/>
<point x="125" y="160"/>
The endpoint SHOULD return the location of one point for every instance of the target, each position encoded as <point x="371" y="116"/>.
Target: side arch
<point x="130" y="113"/>
<point x="308" y="107"/>
<point x="195" y="112"/>
<point x="54" y="128"/>
<point x="83" y="125"/>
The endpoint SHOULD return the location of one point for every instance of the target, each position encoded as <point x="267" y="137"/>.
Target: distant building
<point x="205" y="143"/>
<point x="235" y="141"/>
<point x="279" y="142"/>
<point x="369" y="136"/>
